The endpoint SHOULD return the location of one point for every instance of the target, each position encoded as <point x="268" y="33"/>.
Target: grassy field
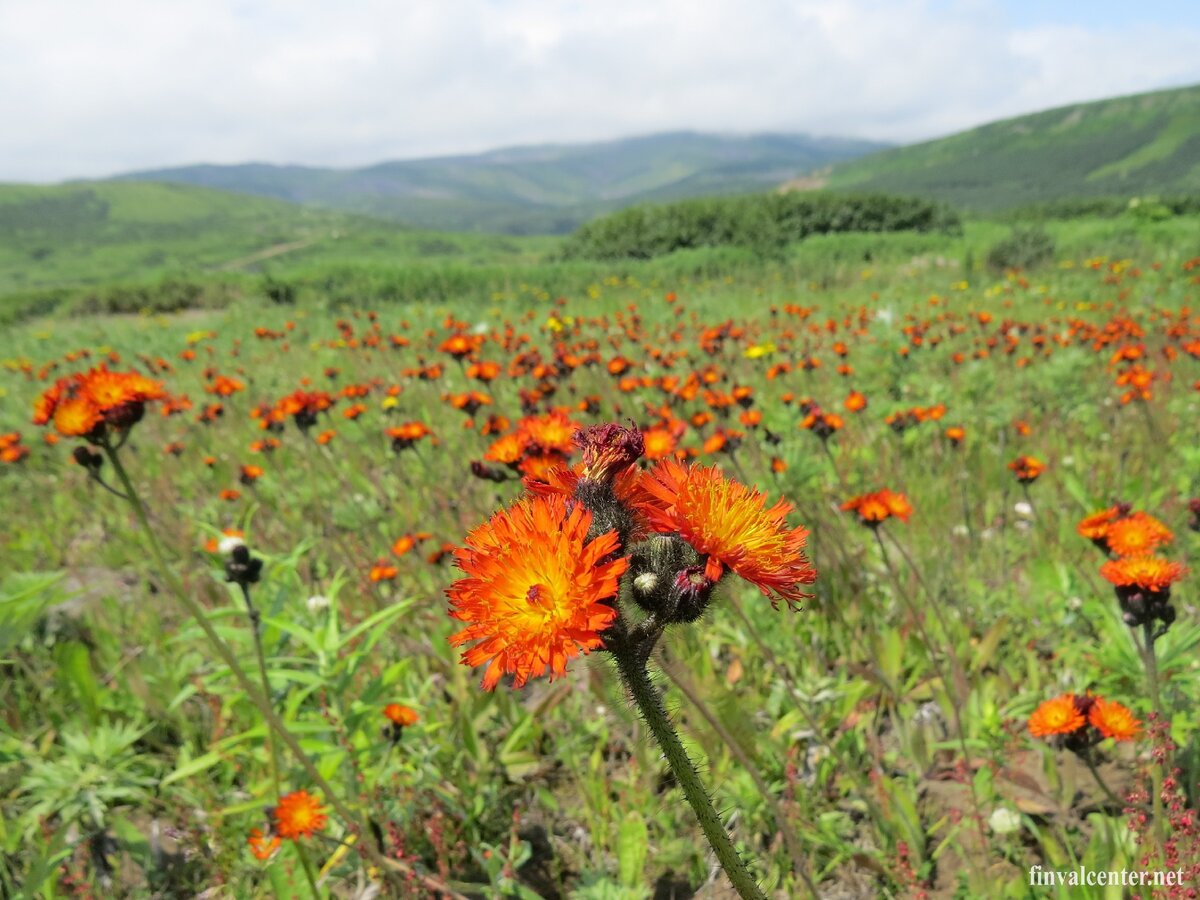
<point x="875" y="742"/>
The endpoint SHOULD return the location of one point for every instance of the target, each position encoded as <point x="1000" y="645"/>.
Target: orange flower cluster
<point x="537" y="445"/>
<point x="543" y="576"/>
<point x="903" y="420"/>
<point x="822" y="424"/>
<point x="90" y="404"/>
<point x="303" y="407"/>
<point x="1081" y="720"/>
<point x="874" y="509"/>
<point x="1142" y="580"/>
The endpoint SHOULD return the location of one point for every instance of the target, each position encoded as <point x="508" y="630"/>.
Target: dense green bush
<point x="1026" y="247"/>
<point x="764" y="223"/>
<point x="1154" y="207"/>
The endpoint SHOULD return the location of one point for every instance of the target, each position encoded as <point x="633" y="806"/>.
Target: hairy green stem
<point x="256" y="629"/>
<point x="632" y="666"/>
<point x="306" y="864"/>
<point x="1150" y="660"/>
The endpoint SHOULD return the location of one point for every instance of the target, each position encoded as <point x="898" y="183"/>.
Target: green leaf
<point x="75" y="669"/>
<point x="193" y="767"/>
<point x="633" y="845"/>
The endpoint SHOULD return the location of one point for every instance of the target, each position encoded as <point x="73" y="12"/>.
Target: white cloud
<point x="95" y="88"/>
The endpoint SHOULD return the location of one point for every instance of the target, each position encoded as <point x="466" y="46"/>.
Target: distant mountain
<point x="1127" y="146"/>
<point x="546" y="189"/>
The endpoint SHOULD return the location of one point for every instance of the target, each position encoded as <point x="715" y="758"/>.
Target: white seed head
<point x="229" y="543"/>
<point x="316" y="603"/>
<point x="1004" y="820"/>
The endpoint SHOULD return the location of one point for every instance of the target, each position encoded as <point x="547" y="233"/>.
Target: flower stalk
<point x="630" y="656"/>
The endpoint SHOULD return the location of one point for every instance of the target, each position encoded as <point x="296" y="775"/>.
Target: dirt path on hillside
<point x="268" y="253"/>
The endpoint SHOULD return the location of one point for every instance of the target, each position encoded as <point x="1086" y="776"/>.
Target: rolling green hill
<point x="534" y="190"/>
<point x="1127" y="146"/>
<point x="93" y="233"/>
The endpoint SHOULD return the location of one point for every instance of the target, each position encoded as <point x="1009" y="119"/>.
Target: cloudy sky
<point x="93" y="88"/>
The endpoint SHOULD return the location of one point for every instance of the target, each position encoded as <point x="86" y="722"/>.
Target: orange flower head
<point x="659" y="442"/>
<point x="507" y="449"/>
<point x="299" y="814"/>
<point x="263" y="846"/>
<point x="400" y="715"/>
<point x="873" y="509"/>
<point x="731" y="525"/>
<point x="78" y="416"/>
<point x="1137" y="535"/>
<point x="538" y="466"/>
<point x="553" y="432"/>
<point x="1027" y="468"/>
<point x="1147" y="573"/>
<point x="1095" y="526"/>
<point x="535" y="591"/>
<point x="897" y="504"/>
<point x="1060" y="715"/>
<point x="1113" y="720"/>
<point x="383" y="571"/>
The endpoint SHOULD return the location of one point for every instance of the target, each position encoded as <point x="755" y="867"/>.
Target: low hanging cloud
<point x="97" y="88"/>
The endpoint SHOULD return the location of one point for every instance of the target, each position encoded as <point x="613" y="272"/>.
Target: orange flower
<point x="660" y="442"/>
<point x="404" y="436"/>
<point x="263" y="846"/>
<point x="299" y="814"/>
<point x="383" y="571"/>
<point x="1059" y="715"/>
<point x="13" y="453"/>
<point x="1113" y="720"/>
<point x="956" y="434"/>
<point x="506" y="449"/>
<point x="730" y="524"/>
<point x="1095" y="526"/>
<point x="1137" y="535"/>
<point x="401" y="715"/>
<point x="553" y="432"/>
<point x="403" y="544"/>
<point x="856" y="402"/>
<point x="1148" y="573"/>
<point x="536" y="590"/>
<point x="874" y="508"/>
<point x="1027" y="468"/>
<point x="870" y="508"/>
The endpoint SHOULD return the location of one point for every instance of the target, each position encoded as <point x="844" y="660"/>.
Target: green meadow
<point x="874" y="742"/>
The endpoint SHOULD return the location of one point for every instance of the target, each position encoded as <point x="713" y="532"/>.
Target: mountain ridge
<point x="531" y="188"/>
